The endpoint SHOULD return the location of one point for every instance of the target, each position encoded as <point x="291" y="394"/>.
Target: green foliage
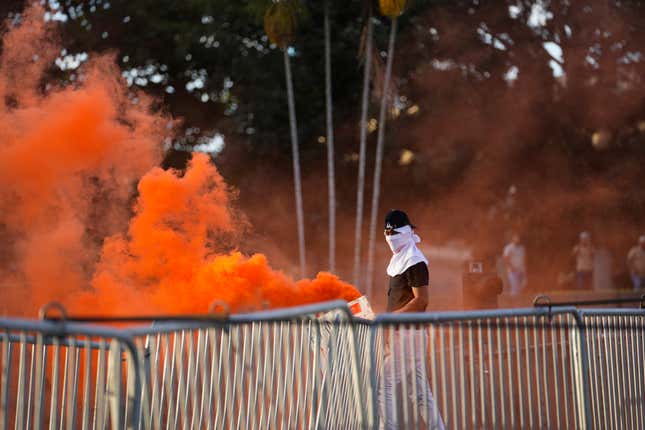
<point x="221" y="45"/>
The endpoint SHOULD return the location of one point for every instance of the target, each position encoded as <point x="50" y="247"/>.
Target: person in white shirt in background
<point x="515" y="260"/>
<point x="584" y="253"/>
<point x="636" y="264"/>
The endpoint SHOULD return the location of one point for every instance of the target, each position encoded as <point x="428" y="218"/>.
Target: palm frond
<point x="258" y="8"/>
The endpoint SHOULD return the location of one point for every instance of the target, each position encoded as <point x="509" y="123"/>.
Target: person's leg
<point x="514" y="282"/>
<point x="386" y="387"/>
<point x="391" y="377"/>
<point x="634" y="279"/>
<point x="428" y="409"/>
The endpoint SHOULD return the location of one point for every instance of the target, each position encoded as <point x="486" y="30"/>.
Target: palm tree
<point x="330" y="144"/>
<point x="280" y="22"/>
<point x="363" y="142"/>
<point x="393" y="9"/>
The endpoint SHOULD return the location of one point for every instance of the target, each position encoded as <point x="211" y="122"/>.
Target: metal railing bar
<point x="545" y="377"/>
<point x="583" y="363"/>
<point x="462" y="380"/>
<point x="211" y="381"/>
<point x="639" y="370"/>
<point x="593" y="355"/>
<point x="611" y="312"/>
<point x="30" y="389"/>
<point x="519" y="375"/>
<point x="510" y="378"/>
<point x="41" y="358"/>
<point x="500" y="375"/>
<point x="472" y="373"/>
<point x="437" y="317"/>
<point x="545" y="302"/>
<point x="5" y="380"/>
<point x="22" y="375"/>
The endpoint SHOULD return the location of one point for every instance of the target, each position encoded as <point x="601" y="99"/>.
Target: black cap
<point x="396" y="219"/>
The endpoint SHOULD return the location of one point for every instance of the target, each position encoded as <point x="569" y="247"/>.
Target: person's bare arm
<point x="418" y="303"/>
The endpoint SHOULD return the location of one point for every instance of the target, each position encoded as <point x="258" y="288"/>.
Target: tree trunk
<point x="296" y="165"/>
<point x="360" y="189"/>
<point x="380" y="143"/>
<point x="330" y="145"/>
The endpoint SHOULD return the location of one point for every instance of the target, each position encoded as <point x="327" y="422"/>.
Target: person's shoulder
<point x="418" y="274"/>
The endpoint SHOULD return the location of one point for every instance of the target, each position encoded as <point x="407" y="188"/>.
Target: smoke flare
<point x="169" y="254"/>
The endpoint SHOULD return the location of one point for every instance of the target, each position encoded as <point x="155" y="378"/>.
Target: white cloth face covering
<point x="405" y="253"/>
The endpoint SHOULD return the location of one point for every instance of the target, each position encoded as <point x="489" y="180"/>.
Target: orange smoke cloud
<point x="169" y="260"/>
<point x="69" y="160"/>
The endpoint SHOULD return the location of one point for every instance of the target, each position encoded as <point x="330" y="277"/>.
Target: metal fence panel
<point x="271" y="370"/>
<point x="615" y="372"/>
<point x="64" y="376"/>
<point x="500" y="369"/>
<point x="292" y="368"/>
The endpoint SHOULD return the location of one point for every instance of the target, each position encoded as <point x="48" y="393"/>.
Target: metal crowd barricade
<point x="370" y="357"/>
<point x="269" y="370"/>
<point x="517" y="368"/>
<point x="615" y="371"/>
<point x="316" y="367"/>
<point x="60" y="375"/>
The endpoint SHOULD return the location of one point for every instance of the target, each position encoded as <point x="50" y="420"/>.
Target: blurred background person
<point x="584" y="252"/>
<point x="514" y="257"/>
<point x="636" y="263"/>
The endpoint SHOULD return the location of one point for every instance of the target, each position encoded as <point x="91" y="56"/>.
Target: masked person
<point x="404" y="364"/>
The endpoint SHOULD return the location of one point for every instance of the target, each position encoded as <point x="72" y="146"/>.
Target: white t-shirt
<point x="636" y="260"/>
<point x="515" y="254"/>
<point x="584" y="257"/>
